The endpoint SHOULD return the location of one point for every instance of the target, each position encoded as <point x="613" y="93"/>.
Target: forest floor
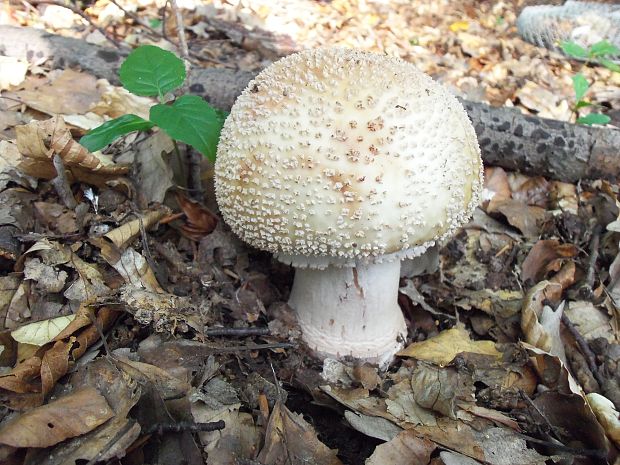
<point x="132" y="321"/>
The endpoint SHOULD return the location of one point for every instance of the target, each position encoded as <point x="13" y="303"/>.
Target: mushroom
<point x="342" y="163"/>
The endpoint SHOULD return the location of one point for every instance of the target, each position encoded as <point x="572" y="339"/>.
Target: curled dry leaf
<point x="200" y="220"/>
<point x="55" y="364"/>
<point x="122" y="236"/>
<point x="552" y="371"/>
<point x="39" y="141"/>
<point x="496" y="187"/>
<point x="567" y="275"/>
<point x="20" y="378"/>
<point x="290" y="439"/>
<point x="539" y="322"/>
<point x="405" y="449"/>
<point x="72" y="415"/>
<point x="442" y="348"/>
<point x="546" y="256"/>
<point x="606" y="414"/>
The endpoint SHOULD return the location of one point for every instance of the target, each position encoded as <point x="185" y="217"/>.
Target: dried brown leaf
<point x="534" y="191"/>
<point x="20" y="378"/>
<point x="55" y="364"/>
<point x="534" y="312"/>
<point x="38" y="141"/>
<point x="525" y="218"/>
<point x="405" y="449"/>
<point x="71" y="415"/>
<point x="440" y="389"/>
<point x="606" y="414"/>
<point x="567" y="275"/>
<point x="167" y="385"/>
<point x="290" y="439"/>
<point x="122" y="236"/>
<point x="105" y="319"/>
<point x="63" y="92"/>
<point x="200" y="220"/>
<point x="546" y="256"/>
<point x="442" y="348"/>
<point x="496" y="183"/>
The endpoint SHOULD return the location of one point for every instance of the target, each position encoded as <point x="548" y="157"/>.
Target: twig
<point x="61" y="183"/>
<point x="237" y="332"/>
<point x="182" y="45"/>
<point x="585" y="349"/>
<point x="529" y="401"/>
<point x="191" y="427"/>
<point x="164" y="34"/>
<point x="78" y="12"/>
<point x="562" y="448"/>
<point x="136" y="18"/>
<point x="588" y="285"/>
<point x="277" y="345"/>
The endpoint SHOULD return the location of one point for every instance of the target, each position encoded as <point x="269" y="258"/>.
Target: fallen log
<point x="529" y="144"/>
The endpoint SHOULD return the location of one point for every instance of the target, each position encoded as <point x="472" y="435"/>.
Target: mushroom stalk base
<point x="351" y="311"/>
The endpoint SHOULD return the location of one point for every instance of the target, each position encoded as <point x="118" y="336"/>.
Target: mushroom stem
<point x="350" y="311"/>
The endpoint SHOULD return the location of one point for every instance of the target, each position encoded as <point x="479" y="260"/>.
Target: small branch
<point x="161" y="428"/>
<point x="78" y="12"/>
<point x="164" y="34"/>
<point x="586" y="289"/>
<point x="585" y="349"/>
<point x="61" y="183"/>
<point x="596" y="453"/>
<point x="278" y="345"/>
<point x="182" y="45"/>
<point x="546" y="421"/>
<point x="136" y="18"/>
<point x="237" y="332"/>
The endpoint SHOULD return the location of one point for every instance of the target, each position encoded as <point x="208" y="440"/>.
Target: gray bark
<point x="509" y="139"/>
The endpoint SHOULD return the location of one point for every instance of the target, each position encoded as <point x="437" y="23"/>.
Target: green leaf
<point x="155" y="23"/>
<point x="594" y="118"/>
<point x="191" y="120"/>
<point x="609" y="64"/>
<point x="580" y="85"/>
<point x="105" y="134"/>
<point x="573" y="49"/>
<point x="581" y="104"/>
<point x="603" y="48"/>
<point x="151" y="71"/>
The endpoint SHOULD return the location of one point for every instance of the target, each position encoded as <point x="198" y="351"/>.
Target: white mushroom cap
<point x="336" y="156"/>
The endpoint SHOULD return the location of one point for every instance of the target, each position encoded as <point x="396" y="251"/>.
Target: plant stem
<point x="180" y="160"/>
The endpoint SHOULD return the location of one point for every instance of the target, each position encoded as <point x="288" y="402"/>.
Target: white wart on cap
<point x="336" y="157"/>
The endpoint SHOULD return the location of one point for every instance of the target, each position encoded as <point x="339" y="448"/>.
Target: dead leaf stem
<point x="237" y="332"/>
<point x="588" y="285"/>
<point x="585" y="349"/>
<point x="61" y="183"/>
